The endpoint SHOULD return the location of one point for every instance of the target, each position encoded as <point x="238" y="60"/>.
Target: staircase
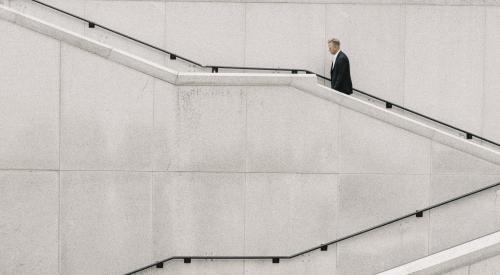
<point x="138" y="164"/>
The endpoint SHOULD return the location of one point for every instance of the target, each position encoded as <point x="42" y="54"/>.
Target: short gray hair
<point x="335" y="41"/>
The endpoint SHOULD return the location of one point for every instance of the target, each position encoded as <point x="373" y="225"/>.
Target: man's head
<point x="334" y="45"/>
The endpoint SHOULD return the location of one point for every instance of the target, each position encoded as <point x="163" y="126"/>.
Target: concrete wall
<point x="106" y="169"/>
<point x="488" y="266"/>
<point x="436" y="57"/>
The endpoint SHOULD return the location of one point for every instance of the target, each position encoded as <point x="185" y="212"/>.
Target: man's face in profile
<point x="333" y="48"/>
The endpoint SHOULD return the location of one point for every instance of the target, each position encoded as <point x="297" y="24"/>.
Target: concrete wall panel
<point x="444" y="63"/>
<point x="165" y="123"/>
<point x="207" y="130"/>
<point x="106" y="224"/>
<point x="369" y="200"/>
<point x="107" y="114"/>
<point x="210" y="33"/>
<point x="368" y="145"/>
<point x="491" y="112"/>
<point x="468" y="218"/>
<point x="372" y="36"/>
<point x="198" y="214"/>
<point x="29" y="222"/>
<point x="446" y="160"/>
<point x="29" y="99"/>
<point x="488" y="266"/>
<point x="385" y="248"/>
<point x="288" y="213"/>
<point x="445" y="187"/>
<point x="289" y="130"/>
<point x="294" y="36"/>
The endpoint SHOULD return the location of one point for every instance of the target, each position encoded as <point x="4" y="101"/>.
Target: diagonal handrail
<point x="322" y="247"/>
<point x="215" y="69"/>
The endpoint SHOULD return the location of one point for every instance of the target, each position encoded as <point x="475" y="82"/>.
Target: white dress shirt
<point x="334" y="58"/>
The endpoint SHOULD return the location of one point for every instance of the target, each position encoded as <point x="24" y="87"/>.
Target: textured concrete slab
<point x="443" y="68"/>
<point x="29" y="99"/>
<point x="360" y="147"/>
<point x="107" y="114"/>
<point x="294" y="36"/>
<point x="393" y="118"/>
<point x="29" y="216"/>
<point x="210" y="33"/>
<point x="106" y="222"/>
<point x="202" y="129"/>
<point x="491" y="101"/>
<point x="468" y="218"/>
<point x="447" y="160"/>
<point x="369" y="200"/>
<point x="385" y="248"/>
<point x="290" y="131"/>
<point x="445" y="187"/>
<point x="488" y="266"/>
<point x="165" y="124"/>
<point x="198" y="214"/>
<point x="289" y="213"/>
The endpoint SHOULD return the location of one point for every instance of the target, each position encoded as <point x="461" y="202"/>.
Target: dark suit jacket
<point x="341" y="74"/>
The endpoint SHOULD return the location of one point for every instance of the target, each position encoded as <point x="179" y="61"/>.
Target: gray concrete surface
<point x="418" y="53"/>
<point x="125" y="193"/>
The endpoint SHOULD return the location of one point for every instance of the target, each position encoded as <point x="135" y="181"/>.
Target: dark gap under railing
<point x="215" y="69"/>
<point x="321" y="247"/>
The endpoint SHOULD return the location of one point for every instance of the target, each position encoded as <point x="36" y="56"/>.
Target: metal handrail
<point x="322" y="247"/>
<point x="215" y="69"/>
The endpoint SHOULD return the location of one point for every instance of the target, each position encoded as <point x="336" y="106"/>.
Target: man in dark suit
<point x="340" y="73"/>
